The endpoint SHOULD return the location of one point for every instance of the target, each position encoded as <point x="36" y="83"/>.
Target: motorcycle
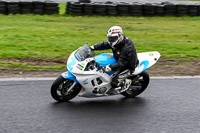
<point x="86" y="77"/>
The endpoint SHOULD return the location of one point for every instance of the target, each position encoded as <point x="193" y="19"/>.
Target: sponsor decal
<point x="85" y="81"/>
<point x="83" y="64"/>
<point x="65" y="74"/>
<point x="109" y="56"/>
<point x="124" y="75"/>
<point x="79" y="66"/>
<point x="150" y="54"/>
<point x="115" y="29"/>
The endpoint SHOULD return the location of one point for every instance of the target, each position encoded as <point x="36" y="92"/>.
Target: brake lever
<point x="99" y="68"/>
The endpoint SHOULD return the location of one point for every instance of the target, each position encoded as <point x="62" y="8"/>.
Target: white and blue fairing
<point x="75" y="66"/>
<point x="71" y="63"/>
<point x="69" y="75"/>
<point x="146" y="60"/>
<point x="103" y="60"/>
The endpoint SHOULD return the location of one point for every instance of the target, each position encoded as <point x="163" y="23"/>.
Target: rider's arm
<point x="125" y="58"/>
<point x="102" y="46"/>
<point x="122" y="62"/>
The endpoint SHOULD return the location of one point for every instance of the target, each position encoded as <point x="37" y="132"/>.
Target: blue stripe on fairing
<point x="146" y="64"/>
<point x="70" y="64"/>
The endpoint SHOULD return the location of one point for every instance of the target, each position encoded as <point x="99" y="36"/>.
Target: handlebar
<point x="97" y="64"/>
<point x="99" y="68"/>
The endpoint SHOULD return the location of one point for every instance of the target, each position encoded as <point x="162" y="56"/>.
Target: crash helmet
<point x="115" y="36"/>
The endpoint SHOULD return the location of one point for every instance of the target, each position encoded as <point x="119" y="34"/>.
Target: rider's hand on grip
<point x="107" y="68"/>
<point x="92" y="48"/>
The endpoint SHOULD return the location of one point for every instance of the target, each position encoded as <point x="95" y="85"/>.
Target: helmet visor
<point x="112" y="39"/>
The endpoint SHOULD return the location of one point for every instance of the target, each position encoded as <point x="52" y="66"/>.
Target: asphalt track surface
<point x="167" y="106"/>
<point x="98" y="0"/>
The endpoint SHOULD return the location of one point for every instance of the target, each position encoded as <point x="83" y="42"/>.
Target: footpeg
<point x="126" y="85"/>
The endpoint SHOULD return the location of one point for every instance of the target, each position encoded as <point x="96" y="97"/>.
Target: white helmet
<point x="115" y="35"/>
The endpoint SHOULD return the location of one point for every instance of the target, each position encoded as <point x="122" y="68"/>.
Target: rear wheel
<point x="139" y="84"/>
<point x="63" y="90"/>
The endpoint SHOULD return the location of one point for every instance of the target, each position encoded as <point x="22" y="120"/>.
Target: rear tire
<point x="139" y="84"/>
<point x="59" y="89"/>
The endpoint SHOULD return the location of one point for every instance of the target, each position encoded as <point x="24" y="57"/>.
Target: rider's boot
<point x="125" y="85"/>
<point x="121" y="87"/>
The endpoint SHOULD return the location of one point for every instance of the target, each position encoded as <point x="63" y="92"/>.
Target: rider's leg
<point x="115" y="82"/>
<point x="124" y="74"/>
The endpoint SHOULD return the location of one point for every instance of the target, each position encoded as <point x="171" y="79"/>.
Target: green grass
<point x="62" y="8"/>
<point x="56" y="36"/>
<point x="23" y="66"/>
<point x="29" y="36"/>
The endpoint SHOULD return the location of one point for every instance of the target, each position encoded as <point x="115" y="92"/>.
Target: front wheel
<point x="63" y="90"/>
<point x="139" y="84"/>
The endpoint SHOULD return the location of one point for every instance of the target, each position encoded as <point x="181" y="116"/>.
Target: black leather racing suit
<point x="124" y="53"/>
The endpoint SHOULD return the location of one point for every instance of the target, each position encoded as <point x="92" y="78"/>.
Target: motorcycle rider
<point x="124" y="52"/>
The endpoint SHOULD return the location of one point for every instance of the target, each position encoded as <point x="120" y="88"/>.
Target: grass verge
<point x="56" y="36"/>
<point x="27" y="67"/>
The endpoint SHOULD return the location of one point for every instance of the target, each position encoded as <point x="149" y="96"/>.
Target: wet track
<point x="98" y="0"/>
<point x="167" y="106"/>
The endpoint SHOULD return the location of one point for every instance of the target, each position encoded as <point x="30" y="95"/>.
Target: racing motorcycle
<point x="86" y="76"/>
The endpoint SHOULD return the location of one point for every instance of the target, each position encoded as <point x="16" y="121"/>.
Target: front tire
<point x="138" y="85"/>
<point x="60" y="89"/>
